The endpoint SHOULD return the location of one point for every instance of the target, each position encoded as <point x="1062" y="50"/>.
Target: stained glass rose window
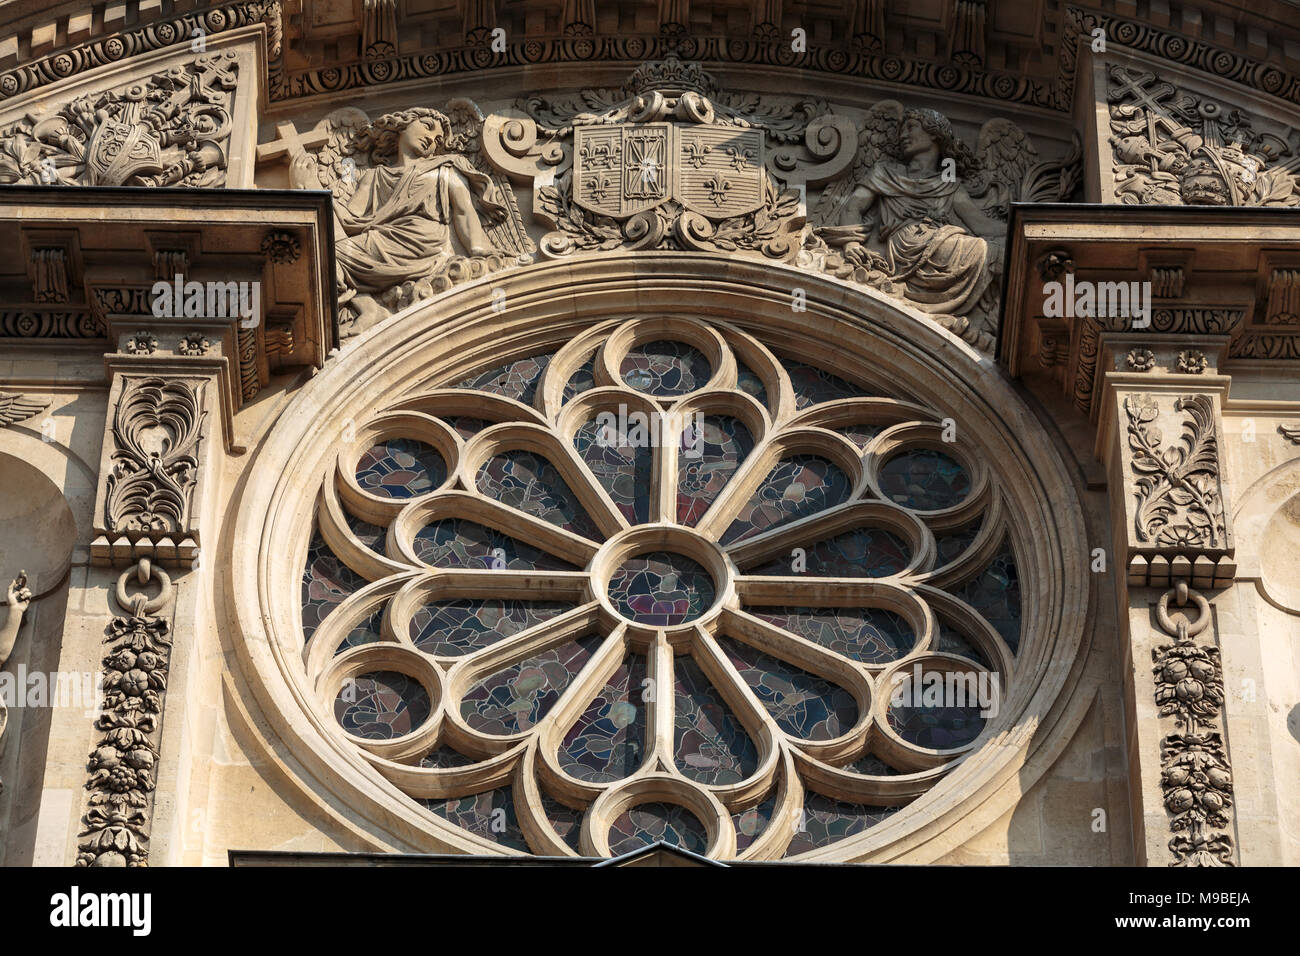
<point x="663" y="583"/>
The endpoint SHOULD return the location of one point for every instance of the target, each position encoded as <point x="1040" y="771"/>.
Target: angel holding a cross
<point x="407" y="220"/>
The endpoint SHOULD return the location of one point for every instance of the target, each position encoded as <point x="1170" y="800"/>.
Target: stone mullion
<point x="1160" y="436"/>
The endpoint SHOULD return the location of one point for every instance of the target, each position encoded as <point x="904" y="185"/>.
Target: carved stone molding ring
<point x="1182" y="594"/>
<point x="144" y="573"/>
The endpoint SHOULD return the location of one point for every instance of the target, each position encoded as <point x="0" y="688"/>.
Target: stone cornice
<point x="1218" y="277"/>
<point x="1243" y="52"/>
<point x="115" y="243"/>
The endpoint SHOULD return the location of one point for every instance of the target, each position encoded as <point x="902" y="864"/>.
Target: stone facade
<point x="554" y="431"/>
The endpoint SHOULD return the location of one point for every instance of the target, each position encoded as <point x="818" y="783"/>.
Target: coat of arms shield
<point x="625" y="169"/>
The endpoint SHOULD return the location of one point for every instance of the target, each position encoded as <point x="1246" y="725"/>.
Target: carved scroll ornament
<point x="156" y="432"/>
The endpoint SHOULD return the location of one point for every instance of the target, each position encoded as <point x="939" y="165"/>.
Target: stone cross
<point x="288" y="142"/>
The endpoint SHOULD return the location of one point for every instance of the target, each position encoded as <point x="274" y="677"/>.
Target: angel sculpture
<point x="411" y="228"/>
<point x="922" y="217"/>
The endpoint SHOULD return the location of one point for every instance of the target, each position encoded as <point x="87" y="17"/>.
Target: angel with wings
<point x="406" y="221"/>
<point x="925" y="216"/>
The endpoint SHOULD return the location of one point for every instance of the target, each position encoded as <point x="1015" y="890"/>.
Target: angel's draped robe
<point x="399" y="221"/>
<point x="944" y="268"/>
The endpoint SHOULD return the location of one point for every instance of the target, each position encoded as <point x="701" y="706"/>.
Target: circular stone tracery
<point x="626" y="642"/>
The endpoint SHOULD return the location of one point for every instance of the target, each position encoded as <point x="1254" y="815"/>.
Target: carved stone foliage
<point x="1195" y="776"/>
<point x="1172" y="147"/>
<point x="170" y="129"/>
<point x="670" y="161"/>
<point x="17" y="408"/>
<point x="921" y="216"/>
<point x="417" y="208"/>
<point x="1177" y="487"/>
<point x="154" y="463"/>
<point x="122" y="765"/>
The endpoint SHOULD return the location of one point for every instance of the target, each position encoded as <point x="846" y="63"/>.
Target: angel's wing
<point x="16" y="408"/>
<point x="1005" y="154"/>
<point x="879" y="129"/>
<point x="344" y="155"/>
<point x="466" y="137"/>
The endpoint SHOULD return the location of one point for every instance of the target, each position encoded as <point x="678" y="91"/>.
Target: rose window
<point x="663" y="583"/>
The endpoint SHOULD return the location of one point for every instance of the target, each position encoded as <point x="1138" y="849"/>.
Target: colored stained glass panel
<point x="371" y="535"/>
<point x="813" y="385"/>
<point x="367" y="632"/>
<point x="870" y="635"/>
<point x="623" y="463"/>
<point x="661" y="589"/>
<point x="751" y="823"/>
<point x="657" y="823"/>
<point x="952" y="642"/>
<point x="937" y="724"/>
<point x="665" y="368"/>
<point x="566" y="821"/>
<point x="802" y="704"/>
<point x="607" y="742"/>
<point x="455" y="628"/>
<point x="444" y="758"/>
<point x="489" y="815"/>
<point x="401" y="468"/>
<point x="861" y="435"/>
<point x="797" y="487"/>
<point x="995" y="593"/>
<point x="872" y="766"/>
<point x="516" y="697"/>
<point x="749" y="383"/>
<point x="466" y="426"/>
<point x="517" y="380"/>
<point x="826" y="821"/>
<point x="528" y="482"/>
<point x="381" y="705"/>
<point x="457" y="543"/>
<point x="707" y="464"/>
<point x="583" y="378"/>
<point x="924" y="479"/>
<point x="709" y="744"/>
<point x="860" y="553"/>
<point x="953" y="544"/>
<point x="326" y="582"/>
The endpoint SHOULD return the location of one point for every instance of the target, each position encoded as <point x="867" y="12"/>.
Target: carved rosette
<point x="1195" y="776"/>
<point x="122" y="765"/>
<point x="146" y="502"/>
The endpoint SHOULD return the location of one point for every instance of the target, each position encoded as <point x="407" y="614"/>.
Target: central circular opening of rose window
<point x="661" y="589"/>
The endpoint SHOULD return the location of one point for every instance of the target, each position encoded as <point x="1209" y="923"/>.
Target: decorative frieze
<point x="123" y="765"/>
